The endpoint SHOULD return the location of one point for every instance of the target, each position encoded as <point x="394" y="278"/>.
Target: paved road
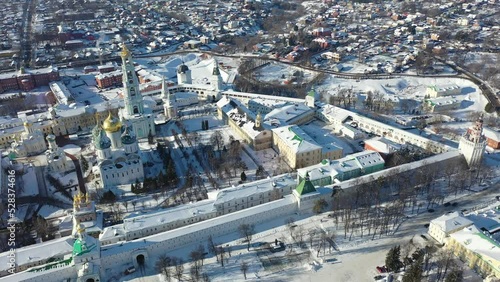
<point x="468" y="202"/>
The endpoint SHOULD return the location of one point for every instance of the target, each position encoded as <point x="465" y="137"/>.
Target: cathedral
<point x="141" y="118"/>
<point x="115" y="140"/>
<point x="118" y="159"/>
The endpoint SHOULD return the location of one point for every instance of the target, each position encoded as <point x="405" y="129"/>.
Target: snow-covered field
<point x="281" y="72"/>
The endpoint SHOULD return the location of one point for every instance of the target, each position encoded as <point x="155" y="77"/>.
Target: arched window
<point x="136" y="110"/>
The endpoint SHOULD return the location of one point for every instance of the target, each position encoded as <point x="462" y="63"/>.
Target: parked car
<point x="381" y="269"/>
<point x="129" y="270"/>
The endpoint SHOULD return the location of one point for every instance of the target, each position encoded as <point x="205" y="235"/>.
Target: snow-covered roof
<point x="405" y="167"/>
<point x="62" y="93"/>
<point x="445" y="100"/>
<point x="486" y="219"/>
<point x="29" y="71"/>
<point x="237" y="94"/>
<point x="444" y="87"/>
<point x="296" y="139"/>
<point x="240" y="114"/>
<point x="66" y="111"/>
<point x="34" y="253"/>
<point x="451" y="221"/>
<point x="491" y="134"/>
<point x="382" y="145"/>
<point x="271" y="103"/>
<point x="478" y="242"/>
<point x="243" y="191"/>
<point x="48" y="212"/>
<point x="286" y="114"/>
<point x="139" y="221"/>
<point x="338" y="115"/>
<point x="361" y="160"/>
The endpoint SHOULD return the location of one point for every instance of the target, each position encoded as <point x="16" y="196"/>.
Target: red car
<point x="381" y="269"/>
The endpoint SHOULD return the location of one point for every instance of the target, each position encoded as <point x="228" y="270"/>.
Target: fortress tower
<point x="473" y="143"/>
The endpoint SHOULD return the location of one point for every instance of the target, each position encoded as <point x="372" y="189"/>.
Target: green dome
<point x="102" y="141"/>
<point x="127" y="137"/>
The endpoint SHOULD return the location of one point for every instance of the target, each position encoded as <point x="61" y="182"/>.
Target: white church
<point x="118" y="159"/>
<point x="30" y="142"/>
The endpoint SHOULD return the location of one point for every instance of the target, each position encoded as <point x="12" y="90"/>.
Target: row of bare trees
<point x="173" y="267"/>
<point x="377" y="206"/>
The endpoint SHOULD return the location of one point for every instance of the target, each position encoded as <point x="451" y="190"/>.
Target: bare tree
<point x="196" y="263"/>
<point x="247" y="230"/>
<point x="163" y="266"/>
<point x="221" y="251"/>
<point x="299" y="234"/>
<point x="156" y="197"/>
<point x="311" y="235"/>
<point x="179" y="267"/>
<point x="212" y="247"/>
<point x="244" y="269"/>
<point x="217" y="140"/>
<point x="290" y="224"/>
<point x="444" y="263"/>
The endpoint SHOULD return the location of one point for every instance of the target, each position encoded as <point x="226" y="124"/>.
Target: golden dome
<point x="125" y="52"/>
<point x="111" y="124"/>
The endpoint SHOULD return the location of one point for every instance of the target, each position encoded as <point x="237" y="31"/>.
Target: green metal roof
<point x="295" y="137"/>
<point x="305" y="186"/>
<point x="80" y="248"/>
<point x="311" y="92"/>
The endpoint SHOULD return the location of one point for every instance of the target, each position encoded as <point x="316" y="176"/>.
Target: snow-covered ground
<point x="29" y="186"/>
<point x="281" y="72"/>
<point x="355" y="261"/>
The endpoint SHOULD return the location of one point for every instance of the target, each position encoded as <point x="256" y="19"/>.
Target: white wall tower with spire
<point x="169" y="102"/>
<point x="216" y="79"/>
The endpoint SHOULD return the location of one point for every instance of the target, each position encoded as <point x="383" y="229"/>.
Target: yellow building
<point x="477" y="249"/>
<point x="440" y="228"/>
<point x="299" y="150"/>
<point x="242" y="121"/>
